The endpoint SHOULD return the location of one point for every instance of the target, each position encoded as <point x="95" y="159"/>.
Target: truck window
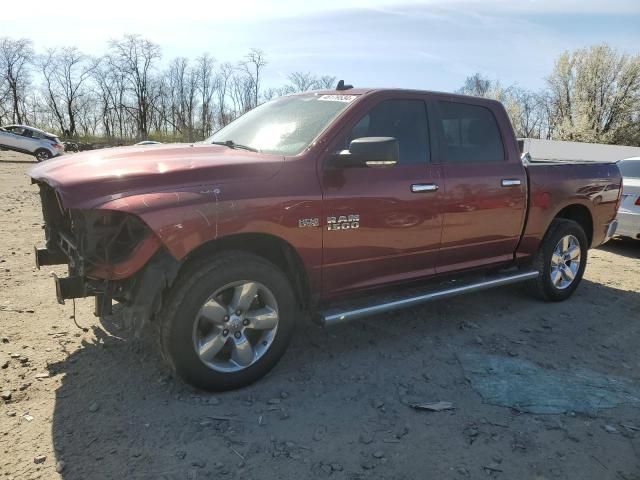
<point x="405" y="120"/>
<point x="470" y="133"/>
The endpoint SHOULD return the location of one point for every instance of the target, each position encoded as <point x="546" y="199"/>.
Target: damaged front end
<point x="111" y="255"/>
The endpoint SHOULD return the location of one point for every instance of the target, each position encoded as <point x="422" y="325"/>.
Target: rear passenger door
<point x="484" y="199"/>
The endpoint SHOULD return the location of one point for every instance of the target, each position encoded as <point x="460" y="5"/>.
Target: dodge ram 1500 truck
<point x="337" y="204"/>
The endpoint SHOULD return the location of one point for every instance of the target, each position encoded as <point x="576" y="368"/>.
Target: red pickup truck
<point x="340" y="204"/>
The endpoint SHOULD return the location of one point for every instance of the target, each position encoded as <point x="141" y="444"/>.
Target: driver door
<point x="382" y="224"/>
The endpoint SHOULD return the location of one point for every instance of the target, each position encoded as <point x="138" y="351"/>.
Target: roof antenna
<point x="342" y="86"/>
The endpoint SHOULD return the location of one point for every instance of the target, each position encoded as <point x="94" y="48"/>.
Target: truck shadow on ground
<point x="118" y="414"/>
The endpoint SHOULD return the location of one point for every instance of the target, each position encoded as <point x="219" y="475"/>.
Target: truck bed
<point x="554" y="185"/>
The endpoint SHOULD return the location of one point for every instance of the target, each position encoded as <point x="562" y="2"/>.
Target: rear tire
<point x="561" y="260"/>
<point x="42" y="154"/>
<point x="203" y="337"/>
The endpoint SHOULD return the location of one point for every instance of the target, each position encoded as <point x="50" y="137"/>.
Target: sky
<point x="428" y="44"/>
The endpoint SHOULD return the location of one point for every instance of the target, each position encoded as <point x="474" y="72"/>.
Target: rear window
<point x="630" y="168"/>
<point x="470" y="133"/>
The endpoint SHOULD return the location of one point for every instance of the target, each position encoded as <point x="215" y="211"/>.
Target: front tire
<point x="561" y="260"/>
<point x="228" y="321"/>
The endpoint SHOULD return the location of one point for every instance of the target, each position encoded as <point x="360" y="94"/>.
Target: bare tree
<point x="206" y="88"/>
<point x="111" y="90"/>
<point x="223" y="81"/>
<point x="162" y="109"/>
<point x="4" y="97"/>
<point x="476" y="85"/>
<point x="325" y="82"/>
<point x="88" y="116"/>
<point x="15" y="57"/>
<point x="135" y="59"/>
<point x="272" y="93"/>
<point x="241" y="93"/>
<point x="182" y="82"/>
<point x="65" y="73"/>
<point x="302" y="81"/>
<point x="47" y="65"/>
<point x="253" y="66"/>
<point x="525" y="109"/>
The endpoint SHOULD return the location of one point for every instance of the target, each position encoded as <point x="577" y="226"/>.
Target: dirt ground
<point x="100" y="405"/>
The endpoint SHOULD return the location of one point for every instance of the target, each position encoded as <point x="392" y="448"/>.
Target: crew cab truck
<point x="335" y="204"/>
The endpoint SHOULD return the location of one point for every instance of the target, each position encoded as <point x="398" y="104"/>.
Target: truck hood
<point x="86" y="180"/>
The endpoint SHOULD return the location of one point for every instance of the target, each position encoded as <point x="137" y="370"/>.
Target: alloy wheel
<point x="235" y="326"/>
<point x="565" y="262"/>
<point x="42" y="155"/>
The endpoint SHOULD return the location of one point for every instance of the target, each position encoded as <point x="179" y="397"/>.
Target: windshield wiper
<point x="232" y="144"/>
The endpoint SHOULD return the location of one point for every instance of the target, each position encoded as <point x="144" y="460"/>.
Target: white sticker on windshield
<point x="337" y="98"/>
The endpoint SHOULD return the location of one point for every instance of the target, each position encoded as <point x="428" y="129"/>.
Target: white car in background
<point x="629" y="211"/>
<point x="24" y="139"/>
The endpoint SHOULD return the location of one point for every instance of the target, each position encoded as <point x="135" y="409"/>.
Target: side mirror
<point x="368" y="152"/>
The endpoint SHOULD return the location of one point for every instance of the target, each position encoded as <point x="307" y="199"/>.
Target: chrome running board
<point x="339" y="314"/>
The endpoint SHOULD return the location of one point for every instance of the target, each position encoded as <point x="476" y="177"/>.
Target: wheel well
<point x="271" y="248"/>
<point x="581" y="215"/>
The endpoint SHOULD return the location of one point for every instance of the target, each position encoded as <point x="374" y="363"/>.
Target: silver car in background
<point x="629" y="211"/>
<point x="24" y="139"/>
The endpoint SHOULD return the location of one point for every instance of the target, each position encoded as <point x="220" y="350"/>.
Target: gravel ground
<point x="99" y="404"/>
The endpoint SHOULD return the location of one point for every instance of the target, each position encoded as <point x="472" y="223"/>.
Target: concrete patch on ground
<point x="527" y="387"/>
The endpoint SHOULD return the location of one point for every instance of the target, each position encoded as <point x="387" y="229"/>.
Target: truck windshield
<point x="284" y="126"/>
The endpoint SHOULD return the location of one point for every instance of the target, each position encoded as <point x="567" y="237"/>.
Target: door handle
<point x="424" y="187"/>
<point x="511" y="182"/>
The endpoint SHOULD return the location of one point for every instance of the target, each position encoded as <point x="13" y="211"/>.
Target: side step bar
<point x="336" y="315"/>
